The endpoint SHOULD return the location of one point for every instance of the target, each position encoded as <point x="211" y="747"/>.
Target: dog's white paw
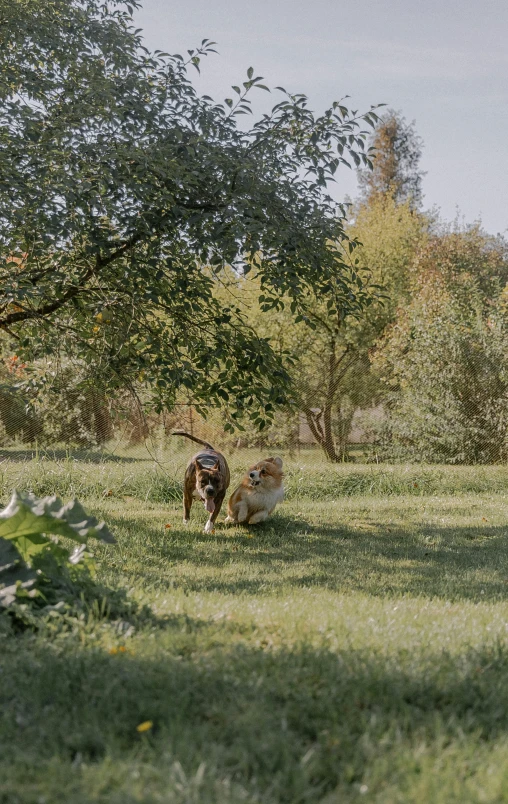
<point x="185" y="521"/>
<point x="260" y="516"/>
<point x="209" y="527"/>
<point x="228" y="520"/>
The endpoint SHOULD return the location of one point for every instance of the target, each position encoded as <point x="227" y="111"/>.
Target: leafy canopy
<point x="124" y="195"/>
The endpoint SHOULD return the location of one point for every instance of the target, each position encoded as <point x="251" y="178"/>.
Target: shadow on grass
<point x="85" y="455"/>
<point x="450" y="562"/>
<point x="288" y="725"/>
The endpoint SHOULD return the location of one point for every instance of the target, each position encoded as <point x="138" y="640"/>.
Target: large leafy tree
<point x="124" y="195"/>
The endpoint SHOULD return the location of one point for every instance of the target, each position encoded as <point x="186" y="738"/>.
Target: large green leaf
<point x="27" y="516"/>
<point x="14" y="574"/>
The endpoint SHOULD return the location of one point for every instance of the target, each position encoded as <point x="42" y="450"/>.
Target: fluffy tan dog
<point x="258" y="493"/>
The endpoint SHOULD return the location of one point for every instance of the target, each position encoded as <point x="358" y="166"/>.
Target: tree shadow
<point x="455" y="563"/>
<point x="289" y="725"/>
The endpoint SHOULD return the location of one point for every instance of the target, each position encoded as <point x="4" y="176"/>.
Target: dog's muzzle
<point x="208" y="500"/>
<point x="253" y="480"/>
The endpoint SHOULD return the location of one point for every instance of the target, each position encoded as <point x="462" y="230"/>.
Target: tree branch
<point x="314" y="425"/>
<point x="47" y="309"/>
<point x="74" y="290"/>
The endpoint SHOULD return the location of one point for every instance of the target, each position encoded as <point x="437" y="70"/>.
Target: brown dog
<point x="258" y="493"/>
<point x="206" y="479"/>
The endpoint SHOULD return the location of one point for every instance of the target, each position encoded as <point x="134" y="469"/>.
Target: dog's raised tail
<point x="193" y="438"/>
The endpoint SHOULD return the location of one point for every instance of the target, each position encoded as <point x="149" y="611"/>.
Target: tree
<point x="391" y="235"/>
<point x="124" y="195"/>
<point x="397" y="151"/>
<point x="328" y="356"/>
<point x="444" y="361"/>
<point x="332" y="374"/>
<point x="321" y="354"/>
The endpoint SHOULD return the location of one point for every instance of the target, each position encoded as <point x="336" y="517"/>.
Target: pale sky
<point x="441" y="63"/>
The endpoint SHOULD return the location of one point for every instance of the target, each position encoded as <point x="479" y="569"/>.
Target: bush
<point x="445" y="360"/>
<point x="36" y="568"/>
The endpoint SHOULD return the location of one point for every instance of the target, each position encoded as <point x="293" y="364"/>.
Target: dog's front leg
<point x="187" y="502"/>
<point x="210" y="525"/>
<point x="241" y="512"/>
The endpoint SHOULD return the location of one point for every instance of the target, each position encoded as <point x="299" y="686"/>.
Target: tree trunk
<point x="103" y="423"/>
<point x="328" y="440"/>
<point x="323" y="437"/>
<point x="321" y="421"/>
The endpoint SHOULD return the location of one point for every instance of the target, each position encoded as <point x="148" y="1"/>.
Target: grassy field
<point x="354" y="648"/>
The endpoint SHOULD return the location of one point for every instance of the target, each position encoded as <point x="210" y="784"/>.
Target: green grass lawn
<point x="354" y="648"/>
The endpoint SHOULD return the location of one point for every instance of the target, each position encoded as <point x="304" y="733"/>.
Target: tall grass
<point x="161" y="481"/>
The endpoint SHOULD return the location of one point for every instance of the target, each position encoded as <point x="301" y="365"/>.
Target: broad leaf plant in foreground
<point x="26" y="527"/>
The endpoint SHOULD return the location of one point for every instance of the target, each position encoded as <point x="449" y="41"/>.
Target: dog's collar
<point x="206" y="461"/>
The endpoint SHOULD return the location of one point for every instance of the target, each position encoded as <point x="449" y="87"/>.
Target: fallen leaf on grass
<point x="145" y="726"/>
<point x="167" y="526"/>
<point x="108" y="493"/>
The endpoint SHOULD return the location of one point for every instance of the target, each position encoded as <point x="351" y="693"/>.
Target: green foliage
<point x="397" y="150"/>
<point x="16" y="578"/>
<point x="445" y="360"/>
<point x="29" y="558"/>
<point x="391" y="235"/>
<point x="119" y="184"/>
<point x="16" y="420"/>
<point x="327" y="353"/>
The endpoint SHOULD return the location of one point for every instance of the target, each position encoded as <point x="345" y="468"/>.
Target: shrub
<point x="445" y="360"/>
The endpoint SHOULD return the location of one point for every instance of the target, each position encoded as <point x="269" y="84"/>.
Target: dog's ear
<point x="276" y="461"/>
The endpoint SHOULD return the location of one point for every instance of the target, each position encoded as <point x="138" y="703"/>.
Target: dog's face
<point x="265" y="474"/>
<point x="208" y="483"/>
